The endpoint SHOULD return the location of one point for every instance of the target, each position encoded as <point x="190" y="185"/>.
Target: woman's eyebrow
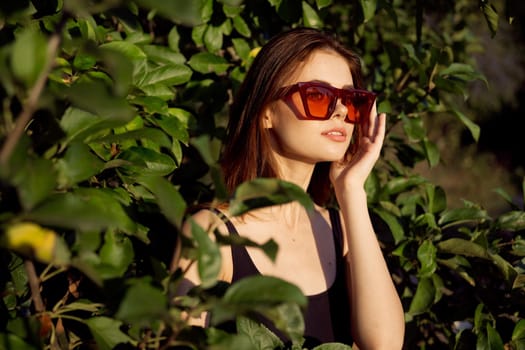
<point x="348" y="86"/>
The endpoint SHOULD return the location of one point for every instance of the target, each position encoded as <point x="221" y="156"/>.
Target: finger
<point x="380" y="127"/>
<point x="372" y="121"/>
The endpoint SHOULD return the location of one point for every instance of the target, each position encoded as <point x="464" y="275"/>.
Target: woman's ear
<point x="267" y="117"/>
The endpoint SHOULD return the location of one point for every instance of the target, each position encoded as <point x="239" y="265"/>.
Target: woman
<point x="301" y="115"/>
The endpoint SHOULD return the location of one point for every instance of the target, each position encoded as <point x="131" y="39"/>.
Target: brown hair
<point x="246" y="153"/>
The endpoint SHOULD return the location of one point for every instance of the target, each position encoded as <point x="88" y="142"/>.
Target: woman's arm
<point x="208" y="221"/>
<point x="377" y="314"/>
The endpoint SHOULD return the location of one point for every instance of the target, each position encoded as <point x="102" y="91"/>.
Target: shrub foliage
<point x="112" y="118"/>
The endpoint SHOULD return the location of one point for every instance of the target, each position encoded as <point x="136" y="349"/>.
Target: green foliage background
<point x="112" y="118"/>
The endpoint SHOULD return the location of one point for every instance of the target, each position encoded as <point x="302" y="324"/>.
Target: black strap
<point x="335" y="220"/>
<point x="226" y="220"/>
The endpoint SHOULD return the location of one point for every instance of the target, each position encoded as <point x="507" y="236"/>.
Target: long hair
<point x="247" y="152"/>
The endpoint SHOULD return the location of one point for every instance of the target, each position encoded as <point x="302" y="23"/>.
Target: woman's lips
<point x="337" y="135"/>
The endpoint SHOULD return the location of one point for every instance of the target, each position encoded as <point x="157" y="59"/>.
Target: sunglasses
<point x="319" y="101"/>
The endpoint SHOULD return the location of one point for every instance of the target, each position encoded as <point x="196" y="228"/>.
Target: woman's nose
<point x="340" y="110"/>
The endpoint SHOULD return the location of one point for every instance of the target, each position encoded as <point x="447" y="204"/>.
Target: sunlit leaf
<point x="188" y="13"/>
<point x="426" y="254"/>
<point x="28" y="57"/>
<point x="208" y="256"/>
<point x="213" y="38"/>
<point x="169" y="74"/>
<point x="462" y="215"/>
<point x="206" y="62"/>
<point x="145" y="161"/>
<point x="116" y="255"/>
<point x="423" y="298"/>
<point x="491" y="15"/>
<point x="259" y="335"/>
<point x="142" y="304"/>
<point x="512" y="221"/>
<point x="395" y="227"/>
<point x="85" y="210"/>
<point x="95" y="97"/>
<point x="78" y="164"/>
<point x="264" y="192"/>
<point x="33" y="189"/>
<point x="241" y="26"/>
<point x="310" y="17"/>
<point x="462" y="247"/>
<point x="171" y="203"/>
<point x="107" y="333"/>
<point x="369" y="8"/>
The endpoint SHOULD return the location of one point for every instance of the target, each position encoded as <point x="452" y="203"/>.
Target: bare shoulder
<point x="207" y="219"/>
<point x="210" y="221"/>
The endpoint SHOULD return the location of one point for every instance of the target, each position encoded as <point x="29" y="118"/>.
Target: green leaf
<point x="128" y="49"/>
<point x="491" y="16"/>
<point x="436" y="199"/>
<point x="462" y="215"/>
<point x="32" y="188"/>
<point x="264" y="290"/>
<point x="323" y="3"/>
<point x="87" y="209"/>
<point x="156" y="135"/>
<point x="241" y="26"/>
<point x="28" y="57"/>
<point x="213" y="38"/>
<point x="208" y="256"/>
<point x="462" y="247"/>
<point x="95" y="98"/>
<point x="163" y="55"/>
<point x="414" y="128"/>
<point x="145" y="161"/>
<point x="369" y="8"/>
<point x="259" y="293"/>
<point x="426" y="254"/>
<point x="81" y="125"/>
<point x="263" y="192"/>
<point x="171" y="203"/>
<point x="169" y="74"/>
<point x="107" y="333"/>
<point x="242" y="48"/>
<point x="288" y="318"/>
<point x="494" y="341"/>
<point x="116" y="255"/>
<point x="259" y="335"/>
<point x="187" y="13"/>
<point x="205" y="62"/>
<point x="461" y="71"/>
<point x="310" y="17"/>
<point x="511" y="221"/>
<point x="10" y="341"/>
<point x="518" y="334"/>
<point x="401" y="184"/>
<point x="174" y="127"/>
<point x="423" y="298"/>
<point x="142" y="305"/>
<point x="393" y="224"/>
<point x="231" y="2"/>
<point x="78" y="164"/>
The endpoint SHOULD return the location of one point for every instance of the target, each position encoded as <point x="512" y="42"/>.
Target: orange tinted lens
<point x="318" y="100"/>
<point x="357" y="105"/>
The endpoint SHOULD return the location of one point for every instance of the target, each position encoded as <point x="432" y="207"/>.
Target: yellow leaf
<point x="31" y="239"/>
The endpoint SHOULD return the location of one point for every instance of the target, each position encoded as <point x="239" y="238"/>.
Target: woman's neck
<point x="294" y="171"/>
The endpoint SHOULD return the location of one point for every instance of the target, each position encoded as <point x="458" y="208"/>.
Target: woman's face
<point x="312" y="141"/>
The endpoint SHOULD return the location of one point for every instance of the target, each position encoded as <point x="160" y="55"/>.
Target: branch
<point x="34" y="95"/>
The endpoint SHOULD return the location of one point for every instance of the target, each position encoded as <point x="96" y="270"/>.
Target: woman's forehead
<point x="323" y="65"/>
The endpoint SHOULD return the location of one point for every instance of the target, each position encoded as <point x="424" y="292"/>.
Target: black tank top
<point x="327" y="317"/>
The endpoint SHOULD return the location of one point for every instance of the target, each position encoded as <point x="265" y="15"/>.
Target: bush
<point x="113" y="114"/>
